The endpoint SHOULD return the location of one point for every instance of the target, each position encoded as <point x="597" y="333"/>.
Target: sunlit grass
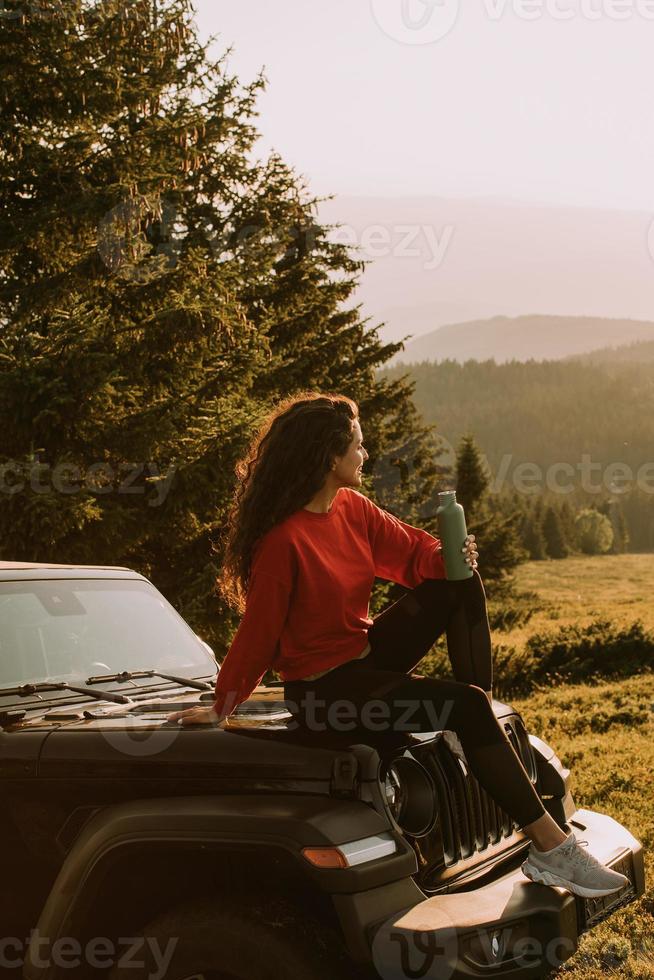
<point x="604" y="735"/>
<point x="579" y="590"/>
<point x="601" y="730"/>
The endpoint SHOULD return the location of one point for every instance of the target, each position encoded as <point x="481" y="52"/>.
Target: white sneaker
<point x="569" y="866"/>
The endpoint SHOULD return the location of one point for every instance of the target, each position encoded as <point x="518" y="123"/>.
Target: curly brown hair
<point x="284" y="467"/>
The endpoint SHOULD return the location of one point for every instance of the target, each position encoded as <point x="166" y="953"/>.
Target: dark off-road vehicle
<point x="131" y="847"/>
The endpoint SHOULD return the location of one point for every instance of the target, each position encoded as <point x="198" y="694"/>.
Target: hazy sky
<point x="541" y="100"/>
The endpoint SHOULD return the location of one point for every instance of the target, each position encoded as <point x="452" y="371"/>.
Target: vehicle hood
<point x="100" y="740"/>
<point x="259" y="740"/>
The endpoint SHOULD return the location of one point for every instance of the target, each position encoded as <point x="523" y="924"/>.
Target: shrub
<point x="507" y="612"/>
<point x="595" y="532"/>
<point x="572" y="654"/>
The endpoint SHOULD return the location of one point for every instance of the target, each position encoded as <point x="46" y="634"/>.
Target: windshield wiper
<point x="127" y="675"/>
<point x="26" y="689"/>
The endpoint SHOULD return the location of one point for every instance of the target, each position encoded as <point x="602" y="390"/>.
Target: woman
<point x="304" y="546"/>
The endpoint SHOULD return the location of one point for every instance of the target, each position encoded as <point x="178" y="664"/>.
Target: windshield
<point x="68" y="629"/>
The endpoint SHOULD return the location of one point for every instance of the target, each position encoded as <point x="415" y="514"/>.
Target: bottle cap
<point x="447" y="496"/>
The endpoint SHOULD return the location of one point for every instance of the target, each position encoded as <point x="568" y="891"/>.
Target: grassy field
<point x="604" y="734"/>
<point x="579" y="590"/>
<point x="602" y="731"/>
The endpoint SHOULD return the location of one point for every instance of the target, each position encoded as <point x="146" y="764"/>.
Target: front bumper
<point x="513" y="927"/>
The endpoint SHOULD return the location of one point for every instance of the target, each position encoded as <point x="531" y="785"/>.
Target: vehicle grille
<point x="470" y="820"/>
<point x="477" y="820"/>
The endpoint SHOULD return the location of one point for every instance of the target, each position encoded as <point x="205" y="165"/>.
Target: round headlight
<point x="393" y="793"/>
<point x="410" y="795"/>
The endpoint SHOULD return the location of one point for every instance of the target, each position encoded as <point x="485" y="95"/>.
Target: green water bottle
<point x="453" y="533"/>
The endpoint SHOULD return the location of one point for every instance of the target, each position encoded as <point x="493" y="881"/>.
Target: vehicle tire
<point x="267" y="939"/>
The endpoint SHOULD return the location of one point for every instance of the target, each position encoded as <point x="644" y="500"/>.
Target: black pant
<point x="380" y="693"/>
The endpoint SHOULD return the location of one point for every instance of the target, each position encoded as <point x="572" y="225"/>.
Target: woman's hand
<point x="195" y="716"/>
<point x="470" y="551"/>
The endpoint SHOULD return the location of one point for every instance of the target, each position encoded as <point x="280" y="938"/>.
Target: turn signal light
<point x="325" y="857"/>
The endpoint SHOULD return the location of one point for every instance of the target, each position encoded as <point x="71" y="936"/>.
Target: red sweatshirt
<point x="306" y="607"/>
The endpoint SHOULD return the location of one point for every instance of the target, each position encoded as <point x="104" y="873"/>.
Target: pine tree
<point x="621" y="531"/>
<point x="531" y="531"/>
<point x="567" y="518"/>
<point x="472" y="478"/>
<point x="612" y="509"/>
<point x="638" y="509"/>
<point x="495" y="521"/>
<point x="159" y="288"/>
<point x="533" y="540"/>
<point x="499" y="546"/>
<point x="555" y="542"/>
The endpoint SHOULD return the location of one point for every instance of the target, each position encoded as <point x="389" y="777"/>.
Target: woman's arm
<point x="252" y="651"/>
<point x="401" y="552"/>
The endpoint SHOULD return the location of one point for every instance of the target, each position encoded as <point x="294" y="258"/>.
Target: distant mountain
<point x="523" y="338"/>
<point x="641" y="352"/>
<point x="546" y="413"/>
<point x="433" y="261"/>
